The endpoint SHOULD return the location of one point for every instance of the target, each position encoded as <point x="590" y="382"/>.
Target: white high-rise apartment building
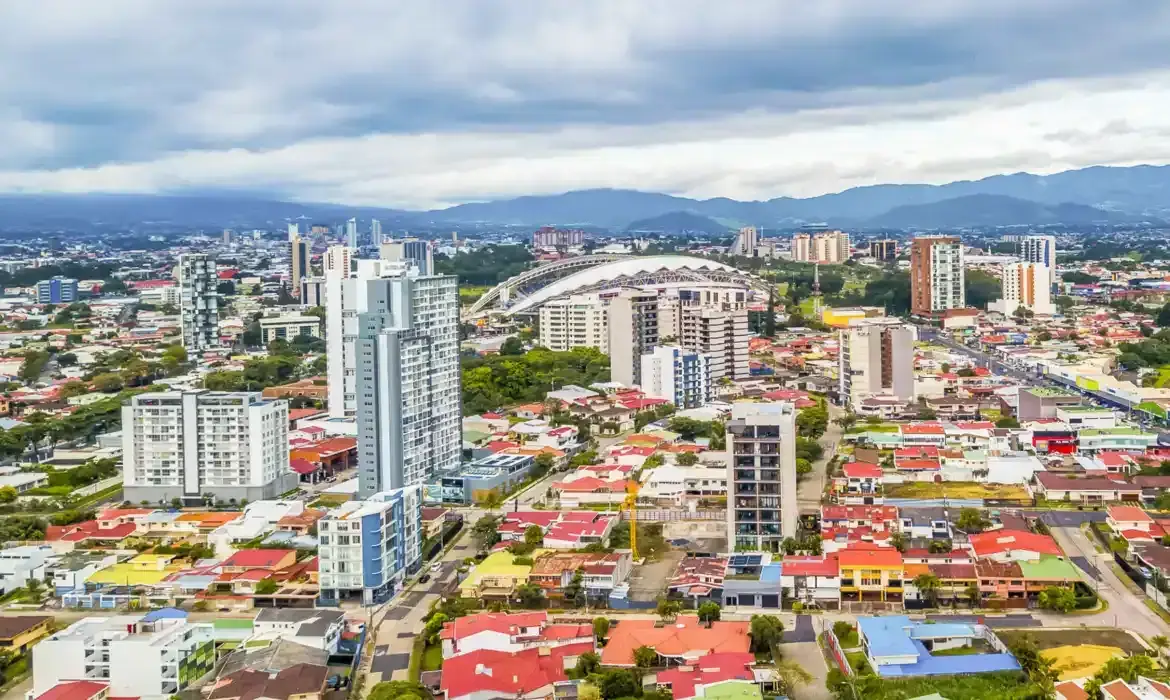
<point x="412" y="250"/>
<point x="876" y="358"/>
<point x="937" y="279"/>
<point x="761" y="476"/>
<point x="1042" y="250"/>
<point x="198" y="302"/>
<point x="409" y="404"/>
<point x="575" y="322"/>
<point x="828" y="247"/>
<point x="723" y="335"/>
<point x="351" y="233"/>
<point x="633" y="331"/>
<point x="746" y="241"/>
<point x="682" y="377"/>
<point x="1025" y="284"/>
<point x="338" y="258"/>
<point x="194" y="444"/>
<point x="140" y="656"/>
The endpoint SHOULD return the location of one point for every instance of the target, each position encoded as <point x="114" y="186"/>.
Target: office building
<point x="409" y="409"/>
<point x="1041" y="250"/>
<point x="288" y="327"/>
<point x="294" y="231"/>
<point x="721" y="334"/>
<point x="227" y="236"/>
<point x="574" y="322"/>
<point x="936" y="275"/>
<point x="160" y="296"/>
<point x="884" y="250"/>
<point x="192" y="444"/>
<point x="351" y="233"/>
<point x="682" y="377"/>
<point x="1027" y="285"/>
<point x="312" y="291"/>
<point x="58" y="290"/>
<point x="826" y="247"/>
<point x="876" y="358"/>
<point x="633" y="331"/>
<point x="761" y="476"/>
<point x="375" y="232"/>
<point x="367" y="548"/>
<point x="409" y="250"/>
<point x="552" y="237"/>
<point x="198" y="302"/>
<point x="151" y="656"/>
<point x="299" y="263"/>
<point x="338" y="258"/>
<point x="745" y="242"/>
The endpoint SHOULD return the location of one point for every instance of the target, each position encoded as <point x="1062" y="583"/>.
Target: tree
<point x="982" y="288"/>
<point x="575" y="590"/>
<point x="533" y="535"/>
<point x="792" y="675"/>
<point x="543" y="464"/>
<point x="940" y="546"/>
<point x="617" y="684"/>
<point x="434" y="626"/>
<point x="108" y="382"/>
<point x="588" y="663"/>
<point x="1160" y="642"/>
<point x="600" y="628"/>
<point x="485" y="532"/>
<point x="266" y="587"/>
<point x="73" y="388"/>
<point x="668" y="609"/>
<point x="766" y="631"/>
<point x="1007" y="422"/>
<point x="512" y="346"/>
<point x="928" y="585"/>
<point x="770" y="314"/>
<point x="1078" y="277"/>
<point x="1058" y="598"/>
<point x="32" y="366"/>
<point x="709" y="611"/>
<point x="7" y="494"/>
<point x="396" y="690"/>
<point x="898" y="541"/>
<point x="1126" y="669"/>
<point x="530" y="595"/>
<point x="971" y="520"/>
<point x="645" y="657"/>
<point x="687" y="459"/>
<point x="847" y="420"/>
<point x="973" y="595"/>
<point x="35" y="589"/>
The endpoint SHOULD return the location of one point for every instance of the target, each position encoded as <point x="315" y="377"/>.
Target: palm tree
<point x="792" y="675"/>
<point x="928" y="585"/>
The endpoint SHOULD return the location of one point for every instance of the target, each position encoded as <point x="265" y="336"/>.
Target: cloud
<point x="423" y="104"/>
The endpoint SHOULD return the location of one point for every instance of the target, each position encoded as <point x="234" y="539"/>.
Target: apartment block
<point x="720" y="334"/>
<point x="312" y="292"/>
<point x="633" y="331"/>
<point x="1027" y="285"/>
<point x="761" y="475"/>
<point x="198" y="302"/>
<point x="58" y="290"/>
<point x="409" y="404"/>
<point x="876" y="359"/>
<point x="192" y="444"/>
<point x="151" y="656"/>
<point x="367" y="548"/>
<point x="746" y="242"/>
<point x="576" y="322"/>
<point x="828" y="247"/>
<point x="289" y="327"/>
<point x="550" y="237"/>
<point x="682" y="377"/>
<point x="299" y="264"/>
<point x="339" y="259"/>
<point x="937" y="280"/>
<point x="1040" y="250"/>
<point x="409" y="250"/>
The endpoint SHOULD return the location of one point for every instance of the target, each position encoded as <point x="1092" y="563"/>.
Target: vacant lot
<point x="648" y="581"/>
<point x="1051" y="639"/>
<point x="954" y="489"/>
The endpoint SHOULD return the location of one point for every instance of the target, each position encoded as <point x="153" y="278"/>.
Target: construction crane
<point x="630" y="504"/>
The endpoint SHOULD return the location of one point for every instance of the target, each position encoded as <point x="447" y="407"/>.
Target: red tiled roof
<point x="861" y="470"/>
<point x="999" y="541"/>
<point x="73" y="690"/>
<point x="685" y="637"/>
<point x="1129" y="514"/>
<point x="300" y="465"/>
<point x="712" y="668"/>
<point x="870" y="513"/>
<point x="810" y="566"/>
<point x="922" y="429"/>
<point x="500" y="674"/>
<point x="258" y="558"/>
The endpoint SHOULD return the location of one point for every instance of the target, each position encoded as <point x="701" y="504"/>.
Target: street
<point x="811" y="488"/>
<point x="981" y="358"/>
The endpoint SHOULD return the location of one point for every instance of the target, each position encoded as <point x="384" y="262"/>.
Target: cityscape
<point x="598" y="351"/>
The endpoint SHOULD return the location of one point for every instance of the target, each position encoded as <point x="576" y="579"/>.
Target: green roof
<point x="1050" y="568"/>
<point x="733" y="690"/>
<point x="232" y="623"/>
<point x="475" y="436"/>
<point x="1113" y="431"/>
<point x="1046" y="391"/>
<point x="1084" y="409"/>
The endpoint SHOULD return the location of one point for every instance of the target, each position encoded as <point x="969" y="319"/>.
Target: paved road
<point x="811" y="488"/>
<point x="982" y="358"/>
<point x="1125" y="608"/>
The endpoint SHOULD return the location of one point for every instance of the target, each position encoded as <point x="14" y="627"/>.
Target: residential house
<point x="316" y="628"/>
<point x="600" y="572"/>
<point x="529" y="674"/>
<point x="814" y="581"/>
<point x="683" y="641"/>
<point x="19" y="632"/>
<point x="1005" y="545"/>
<point x="1088" y="491"/>
<point x="871" y="574"/>
<point x="691" y="681"/>
<point x="297" y="682"/>
<point x="859" y="484"/>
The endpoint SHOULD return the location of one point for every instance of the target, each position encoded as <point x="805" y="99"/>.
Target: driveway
<point x="802" y="630"/>
<point x="811" y="488"/>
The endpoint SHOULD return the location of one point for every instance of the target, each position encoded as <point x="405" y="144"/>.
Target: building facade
<point x="575" y="322"/>
<point x="367" y="548"/>
<point x="1041" y="250"/>
<point x="884" y="250"/>
<point x="721" y="334"/>
<point x="312" y="291"/>
<point x="194" y="444"/>
<point x="408" y="407"/>
<point x="289" y="327"/>
<point x="198" y="302"/>
<point x="761" y="475"/>
<point x="299" y="264"/>
<point x="375" y="232"/>
<point x="937" y="280"/>
<point x="682" y="377"/>
<point x="1027" y="285"/>
<point x="417" y="252"/>
<point x="746" y="242"/>
<point x="338" y="259"/>
<point x="828" y="247"/>
<point x="58" y="290"/>
<point x="551" y="237"/>
<point x="351" y="233"/>
<point x="876" y="358"/>
<point x="633" y="331"/>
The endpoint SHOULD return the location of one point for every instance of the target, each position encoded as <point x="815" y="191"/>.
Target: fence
<point x="834" y="647"/>
<point x="670" y="515"/>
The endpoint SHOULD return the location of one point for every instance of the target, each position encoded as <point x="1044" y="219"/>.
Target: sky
<point x="422" y="104"/>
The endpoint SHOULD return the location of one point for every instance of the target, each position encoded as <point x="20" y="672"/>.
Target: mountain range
<point x="1088" y="195"/>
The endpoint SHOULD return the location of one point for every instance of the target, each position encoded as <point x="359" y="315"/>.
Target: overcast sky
<point x="426" y="103"/>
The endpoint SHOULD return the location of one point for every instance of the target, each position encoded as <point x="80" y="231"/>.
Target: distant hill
<point x="989" y="210"/>
<point x="679" y="222"/>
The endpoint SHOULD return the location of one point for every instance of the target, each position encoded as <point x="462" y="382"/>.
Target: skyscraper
<point x="300" y="264"/>
<point x="745" y="242"/>
<point x="198" y="302"/>
<point x="294" y="230"/>
<point x="885" y="250"/>
<point x="876" y="358"/>
<point x="408" y="380"/>
<point x="227" y="236"/>
<point x="338" y="258"/>
<point x="1039" y="249"/>
<point x="937" y="282"/>
<point x="633" y="331"/>
<point x="417" y="252"/>
<point x="1027" y="285"/>
<point x="375" y="232"/>
<point x="761" y="476"/>
<point x="351" y="233"/>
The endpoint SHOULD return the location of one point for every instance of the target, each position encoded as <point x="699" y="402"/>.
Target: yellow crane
<point x="630" y="504"/>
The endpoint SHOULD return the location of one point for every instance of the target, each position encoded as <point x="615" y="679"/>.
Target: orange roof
<point x="685" y="637"/>
<point x="913" y="570"/>
<point x="209" y="518"/>
<point x="1129" y="514"/>
<point x="855" y="558"/>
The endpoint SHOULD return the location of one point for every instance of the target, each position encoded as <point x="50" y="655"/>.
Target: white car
<point x="437" y="566"/>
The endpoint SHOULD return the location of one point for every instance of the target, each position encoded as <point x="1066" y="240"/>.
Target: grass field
<point x="1163" y="377"/>
<point x="864" y="427"/>
<point x="954" y="489"/>
<point x="432" y="659"/>
<point x="468" y="294"/>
